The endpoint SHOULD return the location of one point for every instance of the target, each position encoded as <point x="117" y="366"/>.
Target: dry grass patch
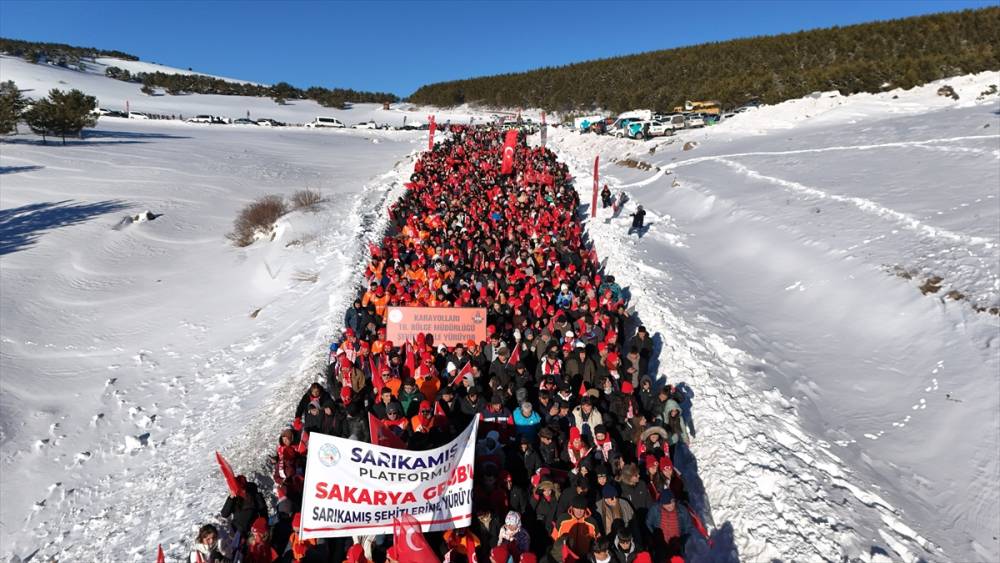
<point x="257" y="217"/>
<point x="306" y="199"/>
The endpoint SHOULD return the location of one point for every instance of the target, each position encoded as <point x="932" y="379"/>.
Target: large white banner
<point x="354" y="488"/>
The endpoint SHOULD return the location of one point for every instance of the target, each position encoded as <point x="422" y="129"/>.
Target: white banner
<point x="354" y="488"/>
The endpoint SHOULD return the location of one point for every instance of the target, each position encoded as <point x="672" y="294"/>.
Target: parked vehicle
<point x="268" y="122"/>
<point x="637" y="115"/>
<point x="365" y="125"/>
<point x="658" y="128"/>
<point x="584" y="123"/>
<point x="137" y="115"/>
<point x="326" y="122"/>
<point x="244" y="121"/>
<point x="201" y="119"/>
<point x="692" y="121"/>
<point x="629" y="127"/>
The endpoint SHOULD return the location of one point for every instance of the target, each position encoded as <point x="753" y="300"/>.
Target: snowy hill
<point x="842" y="411"/>
<point x="839" y="410"/>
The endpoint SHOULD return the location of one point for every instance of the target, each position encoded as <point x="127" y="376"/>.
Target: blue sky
<point x="398" y="46"/>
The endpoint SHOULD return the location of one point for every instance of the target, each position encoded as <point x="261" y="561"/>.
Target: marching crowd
<point x="577" y="434"/>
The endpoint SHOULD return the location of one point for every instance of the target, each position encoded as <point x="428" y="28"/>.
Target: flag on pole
<point x="160" y="558"/>
<point x="411" y="361"/>
<point x="227" y="472"/>
<point x="466" y="370"/>
<point x="430" y="138"/>
<point x="515" y="356"/>
<point x="508" y="152"/>
<point x="593" y="205"/>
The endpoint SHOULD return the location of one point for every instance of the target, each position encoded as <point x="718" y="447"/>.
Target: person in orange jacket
<point x="575" y="532"/>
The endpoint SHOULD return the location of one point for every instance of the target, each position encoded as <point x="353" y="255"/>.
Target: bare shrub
<point x="306" y="199"/>
<point x="257" y="216"/>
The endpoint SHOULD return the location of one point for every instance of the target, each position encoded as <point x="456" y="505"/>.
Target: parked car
<point x="365" y="125"/>
<point x="244" y="121"/>
<point x="268" y="122"/>
<point x="694" y="120"/>
<point x="137" y="115"/>
<point x="201" y="119"/>
<point x="326" y="122"/>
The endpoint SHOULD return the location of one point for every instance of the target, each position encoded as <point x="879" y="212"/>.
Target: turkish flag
<point x="411" y="362"/>
<point x="430" y="138"/>
<point x="160" y="558"/>
<point x="227" y="472"/>
<point x="382" y="436"/>
<point x="515" y="356"/>
<point x="508" y="152"/>
<point x="377" y="382"/>
<point x="409" y="541"/>
<point x="466" y="370"/>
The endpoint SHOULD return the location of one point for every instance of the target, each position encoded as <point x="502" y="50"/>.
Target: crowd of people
<point x="577" y="434"/>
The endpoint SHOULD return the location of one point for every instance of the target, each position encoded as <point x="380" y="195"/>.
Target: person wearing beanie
<point x="613" y="512"/>
<point x="670" y="527"/>
<point x="513" y="537"/>
<point x="577" y="530"/>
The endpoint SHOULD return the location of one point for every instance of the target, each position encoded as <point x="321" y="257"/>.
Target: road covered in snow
<point x="824" y="275"/>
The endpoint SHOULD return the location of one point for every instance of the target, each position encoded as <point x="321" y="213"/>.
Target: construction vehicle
<point x="711" y="106"/>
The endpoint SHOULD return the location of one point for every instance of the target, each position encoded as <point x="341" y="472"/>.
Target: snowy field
<point x="839" y="410"/>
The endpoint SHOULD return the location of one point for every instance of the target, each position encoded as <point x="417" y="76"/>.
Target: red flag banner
<point x="515" y="356"/>
<point x="411" y="363"/>
<point x="409" y="541"/>
<point x="377" y="382"/>
<point x="593" y="205"/>
<point x="466" y="370"/>
<point x="382" y="436"/>
<point x="227" y="472"/>
<point x="160" y="558"/>
<point x="508" y="152"/>
<point x="430" y="138"/>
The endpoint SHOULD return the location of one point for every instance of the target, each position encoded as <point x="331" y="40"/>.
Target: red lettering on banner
<point x="380" y="497"/>
<point x="321" y="490"/>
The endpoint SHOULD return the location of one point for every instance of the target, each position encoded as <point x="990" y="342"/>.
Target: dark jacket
<point x="244" y="510"/>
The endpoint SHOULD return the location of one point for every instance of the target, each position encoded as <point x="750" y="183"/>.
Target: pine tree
<point x="12" y="105"/>
<point x="62" y="114"/>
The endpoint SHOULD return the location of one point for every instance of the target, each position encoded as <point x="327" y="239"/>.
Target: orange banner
<point x="449" y="325"/>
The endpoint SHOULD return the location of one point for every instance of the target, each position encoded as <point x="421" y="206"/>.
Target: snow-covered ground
<point x="36" y="81"/>
<point x="840" y="411"/>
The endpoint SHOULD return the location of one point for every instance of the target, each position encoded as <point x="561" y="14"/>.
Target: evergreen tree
<point x="12" y="105"/>
<point x="62" y="114"/>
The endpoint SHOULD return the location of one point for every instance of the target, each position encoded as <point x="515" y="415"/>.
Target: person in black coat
<point x="243" y="510"/>
<point x="644" y="343"/>
<point x="637" y="219"/>
<point x="315" y="394"/>
<point x="355" y="317"/>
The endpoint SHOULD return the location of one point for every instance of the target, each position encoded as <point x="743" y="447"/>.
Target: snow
<point x="840" y="411"/>
<point x="37" y="80"/>
<point x="768" y="274"/>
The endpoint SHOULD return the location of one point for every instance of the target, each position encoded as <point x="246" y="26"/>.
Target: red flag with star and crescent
<point x="409" y="541"/>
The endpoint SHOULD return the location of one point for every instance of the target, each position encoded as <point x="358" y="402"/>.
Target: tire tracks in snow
<point x="787" y="495"/>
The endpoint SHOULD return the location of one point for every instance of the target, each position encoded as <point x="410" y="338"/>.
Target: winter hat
<point x="259" y="525"/>
<point x="643" y="557"/>
<point x="579" y="502"/>
<point x="499" y="554"/>
<point x="513" y="519"/>
<point x="627" y="387"/>
<point x="609" y="491"/>
<point x="666" y="496"/>
<point x="665" y="462"/>
<point x="651" y="461"/>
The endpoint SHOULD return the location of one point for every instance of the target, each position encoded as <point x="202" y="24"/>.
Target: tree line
<point x="175" y="84"/>
<point x="58" y="53"/>
<point x="869" y="57"/>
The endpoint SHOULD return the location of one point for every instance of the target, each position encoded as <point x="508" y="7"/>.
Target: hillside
<point x="861" y="58"/>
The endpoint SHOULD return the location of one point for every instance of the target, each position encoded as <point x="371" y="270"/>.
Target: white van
<point x="326" y="122"/>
